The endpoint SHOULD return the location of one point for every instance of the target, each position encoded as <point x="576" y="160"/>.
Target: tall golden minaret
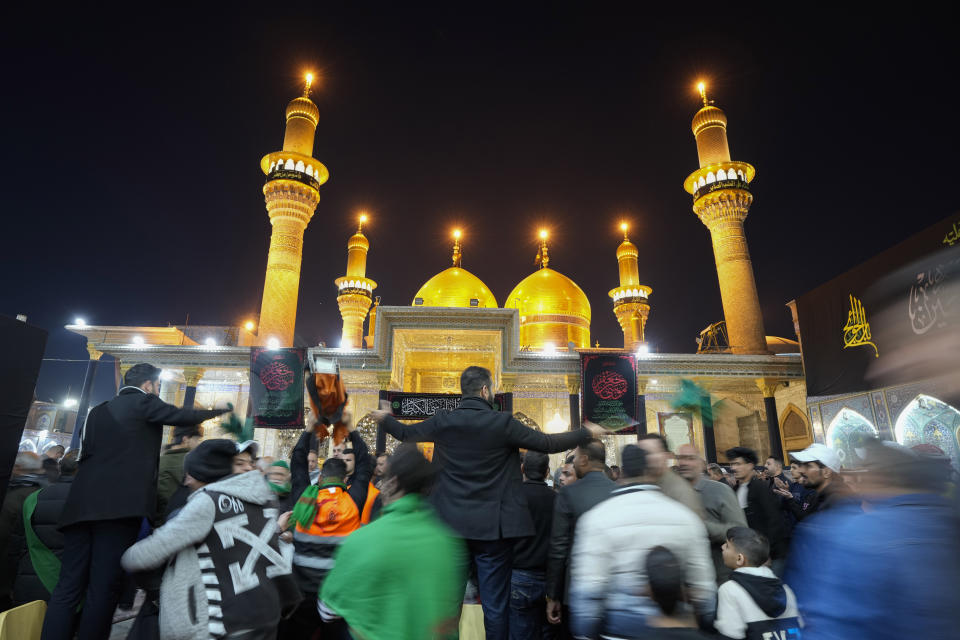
<point x="721" y="199"/>
<point x="292" y="191"/>
<point x="355" y="290"/>
<point x="631" y="299"/>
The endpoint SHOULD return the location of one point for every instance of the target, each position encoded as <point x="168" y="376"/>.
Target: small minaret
<point x="291" y="193"/>
<point x="722" y="199"/>
<point x="355" y="290"/>
<point x="631" y="299"/>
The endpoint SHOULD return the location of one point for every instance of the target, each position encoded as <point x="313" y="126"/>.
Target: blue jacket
<point x="889" y="572"/>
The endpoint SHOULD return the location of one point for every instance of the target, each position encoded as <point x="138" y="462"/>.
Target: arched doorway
<point x="927" y="420"/>
<point x="795" y="429"/>
<point x="846" y="432"/>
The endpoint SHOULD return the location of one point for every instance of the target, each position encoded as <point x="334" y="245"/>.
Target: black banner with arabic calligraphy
<point x="276" y="387"/>
<point x="892" y="320"/>
<point x="420" y="406"/>
<point x="609" y="390"/>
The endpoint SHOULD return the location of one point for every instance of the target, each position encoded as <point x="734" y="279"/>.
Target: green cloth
<point x="45" y="562"/>
<point x="418" y="567"/>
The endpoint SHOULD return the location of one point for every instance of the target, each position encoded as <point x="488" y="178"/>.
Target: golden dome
<point x="553" y="309"/>
<point x="455" y="287"/>
<point x="358" y="240"/>
<point x="304" y="108"/>
<point x="708" y="116"/>
<point x="627" y="250"/>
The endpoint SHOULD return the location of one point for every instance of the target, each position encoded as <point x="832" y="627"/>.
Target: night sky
<point x="132" y="147"/>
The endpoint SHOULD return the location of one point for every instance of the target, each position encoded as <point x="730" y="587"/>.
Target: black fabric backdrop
<point x="22" y="347"/>
<point x="609" y="390"/>
<point x="276" y="387"/>
<point x="909" y="296"/>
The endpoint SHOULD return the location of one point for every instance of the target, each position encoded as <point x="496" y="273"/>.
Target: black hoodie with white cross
<point x="756" y="605"/>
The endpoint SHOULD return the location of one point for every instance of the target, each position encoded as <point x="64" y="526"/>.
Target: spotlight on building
<point x="138" y="340"/>
<point x="643" y="350"/>
<point x="210" y="342"/>
<point x="653" y="381"/>
<point x="273" y="343"/>
<point x="69" y="403"/>
<point x="249" y="326"/>
<point x="549" y="349"/>
<point x="166" y="374"/>
<point x="346" y="344"/>
<point x="80" y="322"/>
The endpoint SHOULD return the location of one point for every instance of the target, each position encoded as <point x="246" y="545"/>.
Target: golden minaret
<point x="355" y="290"/>
<point x="291" y="192"/>
<point x="631" y="299"/>
<point x="721" y="199"/>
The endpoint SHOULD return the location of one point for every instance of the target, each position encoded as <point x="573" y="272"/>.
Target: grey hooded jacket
<point x="228" y="572"/>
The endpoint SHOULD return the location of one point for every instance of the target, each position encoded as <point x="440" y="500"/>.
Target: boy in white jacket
<point x="754" y="603"/>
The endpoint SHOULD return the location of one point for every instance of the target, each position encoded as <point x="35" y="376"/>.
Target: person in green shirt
<point x="414" y="563"/>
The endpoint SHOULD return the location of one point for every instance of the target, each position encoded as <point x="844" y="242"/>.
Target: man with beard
<point x="478" y="491"/>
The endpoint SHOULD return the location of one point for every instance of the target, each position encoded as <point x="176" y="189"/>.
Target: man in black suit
<point x="591" y="488"/>
<point x="760" y="505"/>
<point x="479" y="489"/>
<point x="115" y="488"/>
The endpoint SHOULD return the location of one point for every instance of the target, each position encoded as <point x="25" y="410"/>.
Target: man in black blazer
<point x="115" y="488"/>
<point x="591" y="488"/>
<point x="479" y="489"/>
<point x="760" y="505"/>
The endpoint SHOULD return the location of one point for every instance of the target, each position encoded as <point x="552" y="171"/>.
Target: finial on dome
<point x="702" y="88"/>
<point x="361" y="220"/>
<point x="624" y="227"/>
<point x="543" y="257"/>
<point x="457" y="253"/>
<point x="308" y="83"/>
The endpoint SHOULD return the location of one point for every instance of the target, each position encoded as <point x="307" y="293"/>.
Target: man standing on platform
<point x="115" y="489"/>
<point x="478" y="492"/>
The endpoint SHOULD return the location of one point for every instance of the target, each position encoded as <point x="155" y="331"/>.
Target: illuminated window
<point x="928" y="421"/>
<point x="846" y="433"/>
<point x="721" y="175"/>
<point x="711" y="178"/>
<point x="289" y="165"/>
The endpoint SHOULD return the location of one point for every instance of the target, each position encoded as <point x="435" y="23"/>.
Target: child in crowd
<point x="754" y="603"/>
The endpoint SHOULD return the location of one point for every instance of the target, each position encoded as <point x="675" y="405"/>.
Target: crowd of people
<point x="229" y="544"/>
